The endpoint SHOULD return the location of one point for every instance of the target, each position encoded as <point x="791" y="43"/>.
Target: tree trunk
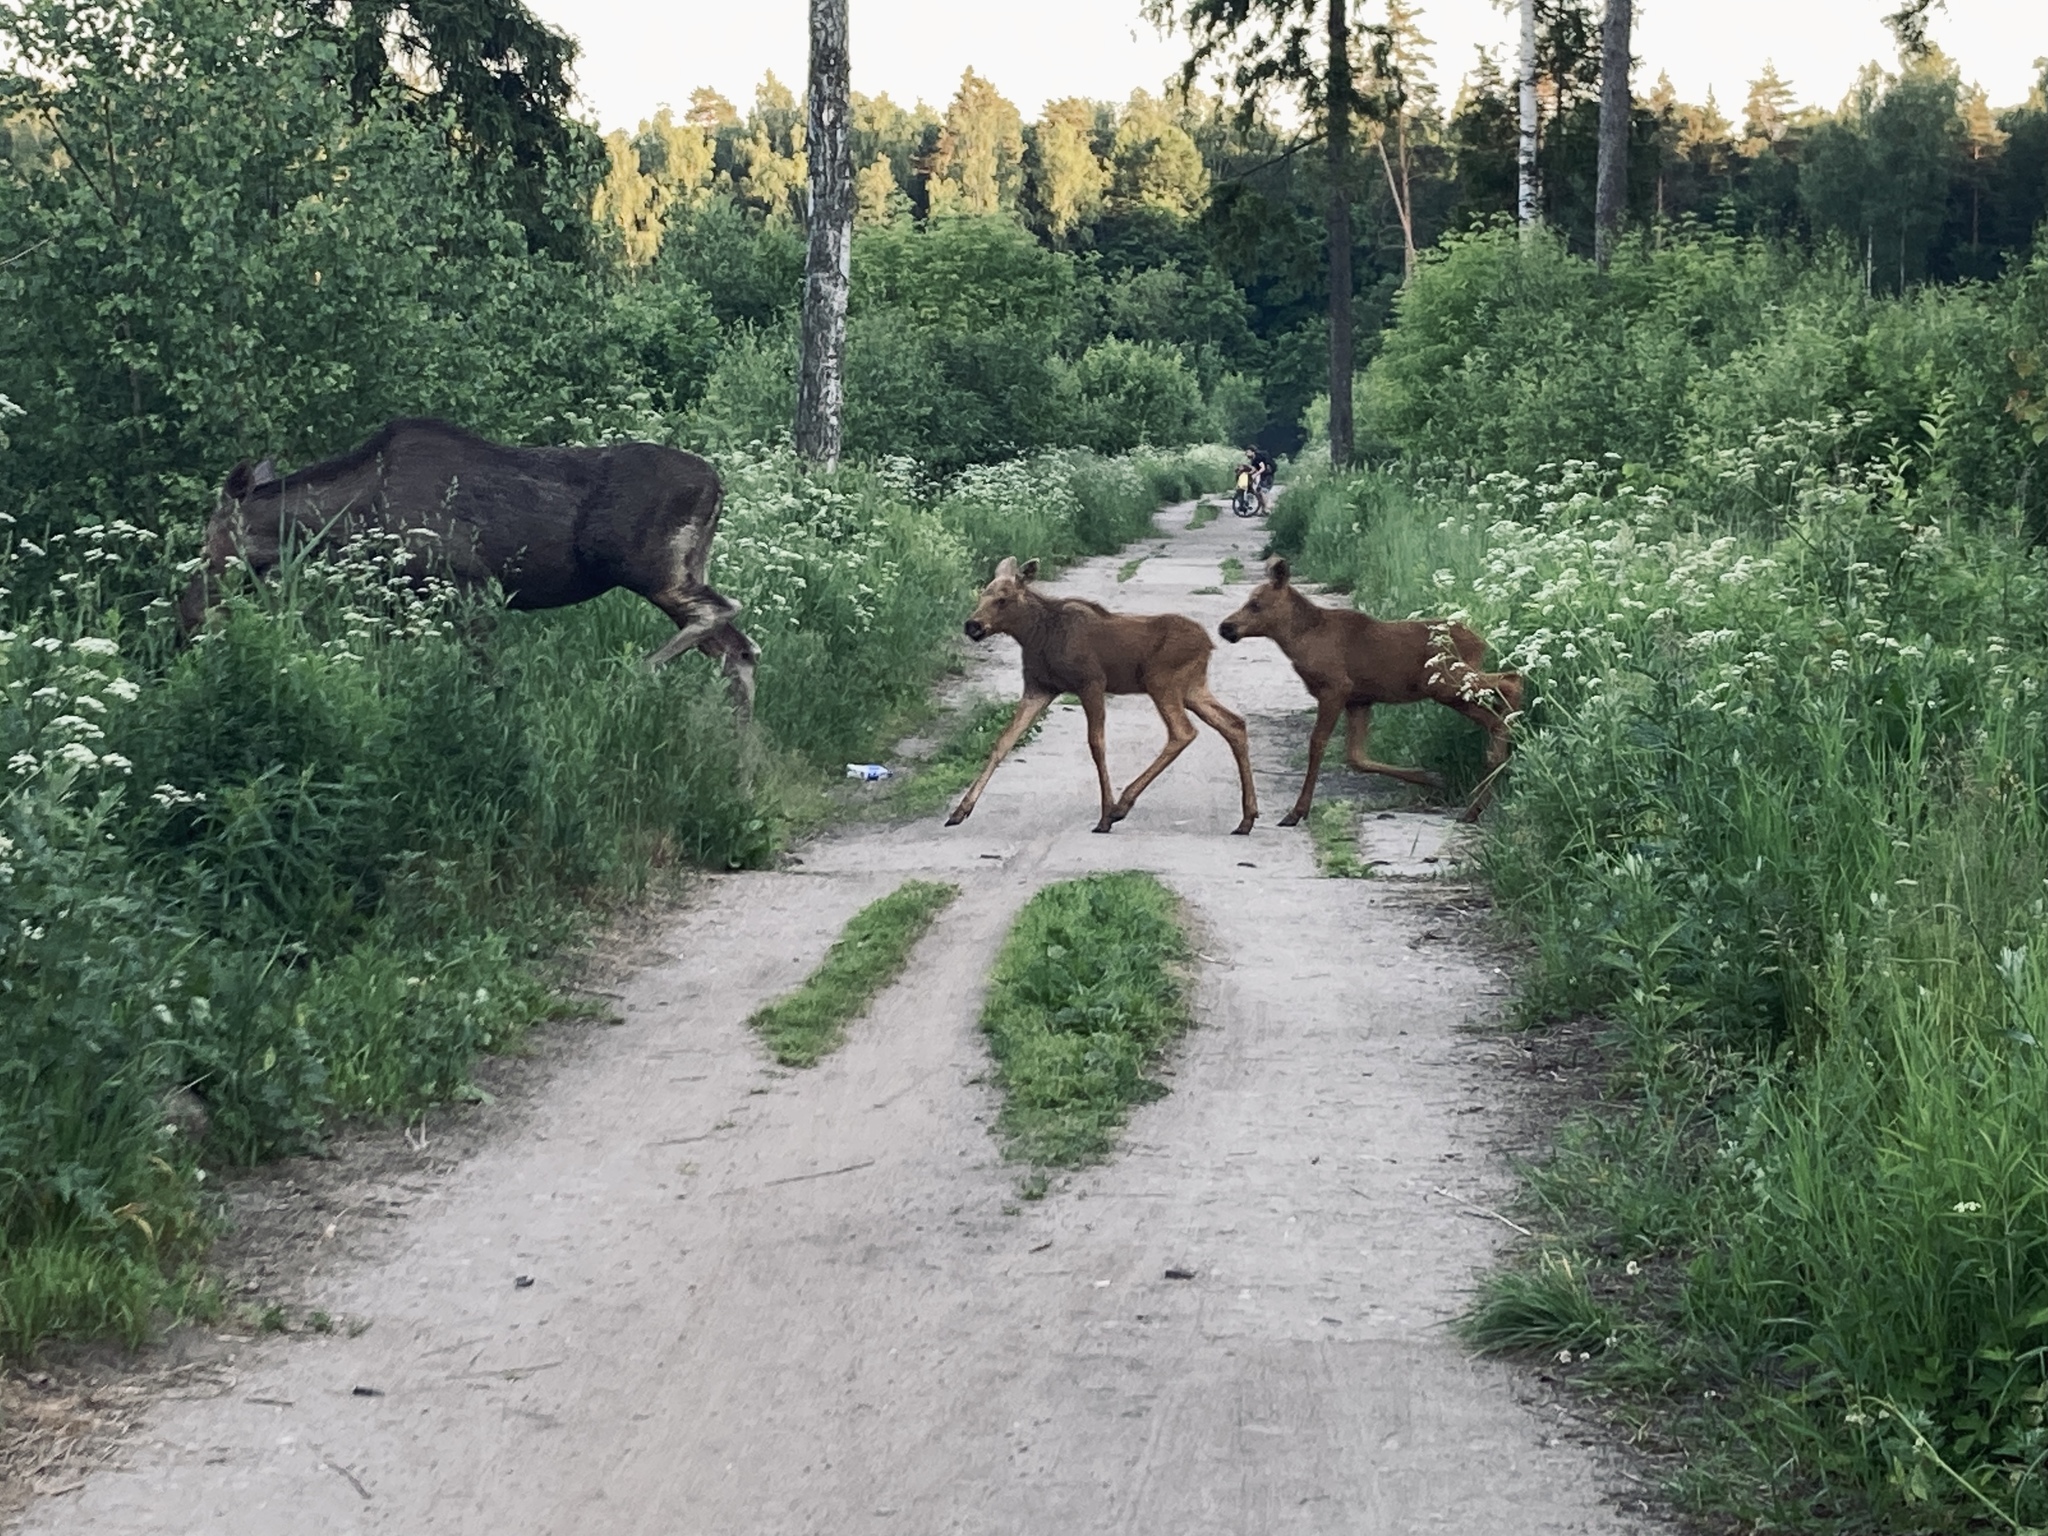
<point x="1611" y="194"/>
<point x="1526" y="211"/>
<point x="820" y="390"/>
<point x="1338" y="141"/>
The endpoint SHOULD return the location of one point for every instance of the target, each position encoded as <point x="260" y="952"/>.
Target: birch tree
<point x="828" y="142"/>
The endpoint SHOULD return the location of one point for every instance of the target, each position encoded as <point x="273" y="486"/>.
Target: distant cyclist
<point x="1260" y="463"/>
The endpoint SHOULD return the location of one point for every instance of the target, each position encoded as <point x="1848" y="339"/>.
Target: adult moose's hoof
<point x="956" y="818"/>
<point x="1244" y="828"/>
<point x="1292" y="818"/>
<point x="1107" y="824"/>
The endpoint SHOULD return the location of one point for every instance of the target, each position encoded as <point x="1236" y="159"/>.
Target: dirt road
<point x="758" y="1302"/>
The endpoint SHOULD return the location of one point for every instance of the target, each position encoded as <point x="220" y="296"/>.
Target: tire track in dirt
<point x="764" y="1302"/>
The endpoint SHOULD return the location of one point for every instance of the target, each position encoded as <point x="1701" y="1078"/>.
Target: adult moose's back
<point x="552" y="526"/>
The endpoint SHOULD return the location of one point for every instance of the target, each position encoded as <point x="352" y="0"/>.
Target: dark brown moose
<point x="1074" y="646"/>
<point x="1351" y="661"/>
<point x="552" y="526"/>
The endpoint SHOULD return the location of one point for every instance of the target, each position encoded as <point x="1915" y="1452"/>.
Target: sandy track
<point x="775" y="1303"/>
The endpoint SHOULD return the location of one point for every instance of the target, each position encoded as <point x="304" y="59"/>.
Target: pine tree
<point x="1616" y="108"/>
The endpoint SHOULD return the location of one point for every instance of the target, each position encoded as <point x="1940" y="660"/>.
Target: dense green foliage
<point x="1778" y="818"/>
<point x="1084" y="996"/>
<point x="807" y="1025"/>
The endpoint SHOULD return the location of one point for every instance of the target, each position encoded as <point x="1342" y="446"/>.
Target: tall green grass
<point x="314" y="863"/>
<point x="1780" y="818"/>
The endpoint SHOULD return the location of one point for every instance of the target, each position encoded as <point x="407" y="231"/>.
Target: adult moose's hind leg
<point x="1231" y="727"/>
<point x="736" y="656"/>
<point x="697" y="612"/>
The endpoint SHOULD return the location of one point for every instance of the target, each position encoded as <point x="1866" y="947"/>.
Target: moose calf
<point x="1074" y="646"/>
<point x="1351" y="661"/>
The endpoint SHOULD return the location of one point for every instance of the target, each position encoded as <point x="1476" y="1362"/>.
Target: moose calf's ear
<point x="1277" y="572"/>
<point x="1030" y="570"/>
<point x="264" y="473"/>
<point x="237" y="484"/>
<point x="1007" y="566"/>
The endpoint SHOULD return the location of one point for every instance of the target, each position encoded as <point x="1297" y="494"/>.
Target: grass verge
<point x="810" y="1022"/>
<point x="1203" y="515"/>
<point x="1128" y="569"/>
<point x="1088" y="990"/>
<point x="1233" y="569"/>
<point x="1333" y="829"/>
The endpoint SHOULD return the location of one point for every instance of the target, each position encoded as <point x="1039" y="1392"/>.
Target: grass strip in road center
<point x="1333" y="828"/>
<point x="1089" y="989"/>
<point x="811" y="1021"/>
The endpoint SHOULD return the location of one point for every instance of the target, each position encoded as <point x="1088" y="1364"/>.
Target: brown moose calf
<point x="1351" y="661"/>
<point x="1074" y="646"/>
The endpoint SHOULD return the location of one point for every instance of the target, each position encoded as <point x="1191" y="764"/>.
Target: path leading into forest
<point x="760" y="1302"/>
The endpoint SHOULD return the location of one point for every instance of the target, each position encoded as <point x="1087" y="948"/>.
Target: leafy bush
<point x="1119" y="394"/>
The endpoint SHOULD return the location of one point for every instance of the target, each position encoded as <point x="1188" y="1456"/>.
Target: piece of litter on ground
<point x="366" y="1391"/>
<point x="1040" y="1248"/>
<point x="522" y="1281"/>
<point x="868" y="771"/>
<point x="1246" y="864"/>
<point x="991" y="855"/>
<point x="1180" y="1274"/>
<point x="1100" y="1284"/>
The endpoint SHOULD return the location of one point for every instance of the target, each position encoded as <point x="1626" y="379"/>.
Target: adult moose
<point x="552" y="526"/>
<point x="1351" y="661"/>
<point x="1074" y="646"/>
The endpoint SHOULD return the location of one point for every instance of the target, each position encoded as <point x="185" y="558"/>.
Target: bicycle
<point x="1244" y="500"/>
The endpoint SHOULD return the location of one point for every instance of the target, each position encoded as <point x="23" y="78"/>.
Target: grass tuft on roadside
<point x="810" y="1022"/>
<point x="1089" y="989"/>
<point x="1203" y="515"/>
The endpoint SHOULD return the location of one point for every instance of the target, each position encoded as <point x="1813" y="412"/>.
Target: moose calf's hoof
<point x="1292" y="818"/>
<point x="1244" y="828"/>
<point x="956" y="818"/>
<point x="1103" y="826"/>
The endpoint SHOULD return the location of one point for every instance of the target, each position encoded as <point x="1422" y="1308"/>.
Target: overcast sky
<point x="640" y="53"/>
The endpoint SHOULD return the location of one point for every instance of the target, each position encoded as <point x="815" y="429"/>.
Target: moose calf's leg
<point x="1029" y="708"/>
<point x="1494" y="723"/>
<point x="1359" y="738"/>
<point x="1098" y="748"/>
<point x="1180" y="732"/>
<point x="1319" y="738"/>
<point x="1231" y="728"/>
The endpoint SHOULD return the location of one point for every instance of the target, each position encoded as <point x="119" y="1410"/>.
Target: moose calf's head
<point x="1003" y="601"/>
<point x="1265" y="612"/>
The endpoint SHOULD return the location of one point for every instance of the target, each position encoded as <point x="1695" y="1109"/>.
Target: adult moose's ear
<point x="1029" y="570"/>
<point x="263" y="474"/>
<point x="1277" y="572"/>
<point x="240" y="481"/>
